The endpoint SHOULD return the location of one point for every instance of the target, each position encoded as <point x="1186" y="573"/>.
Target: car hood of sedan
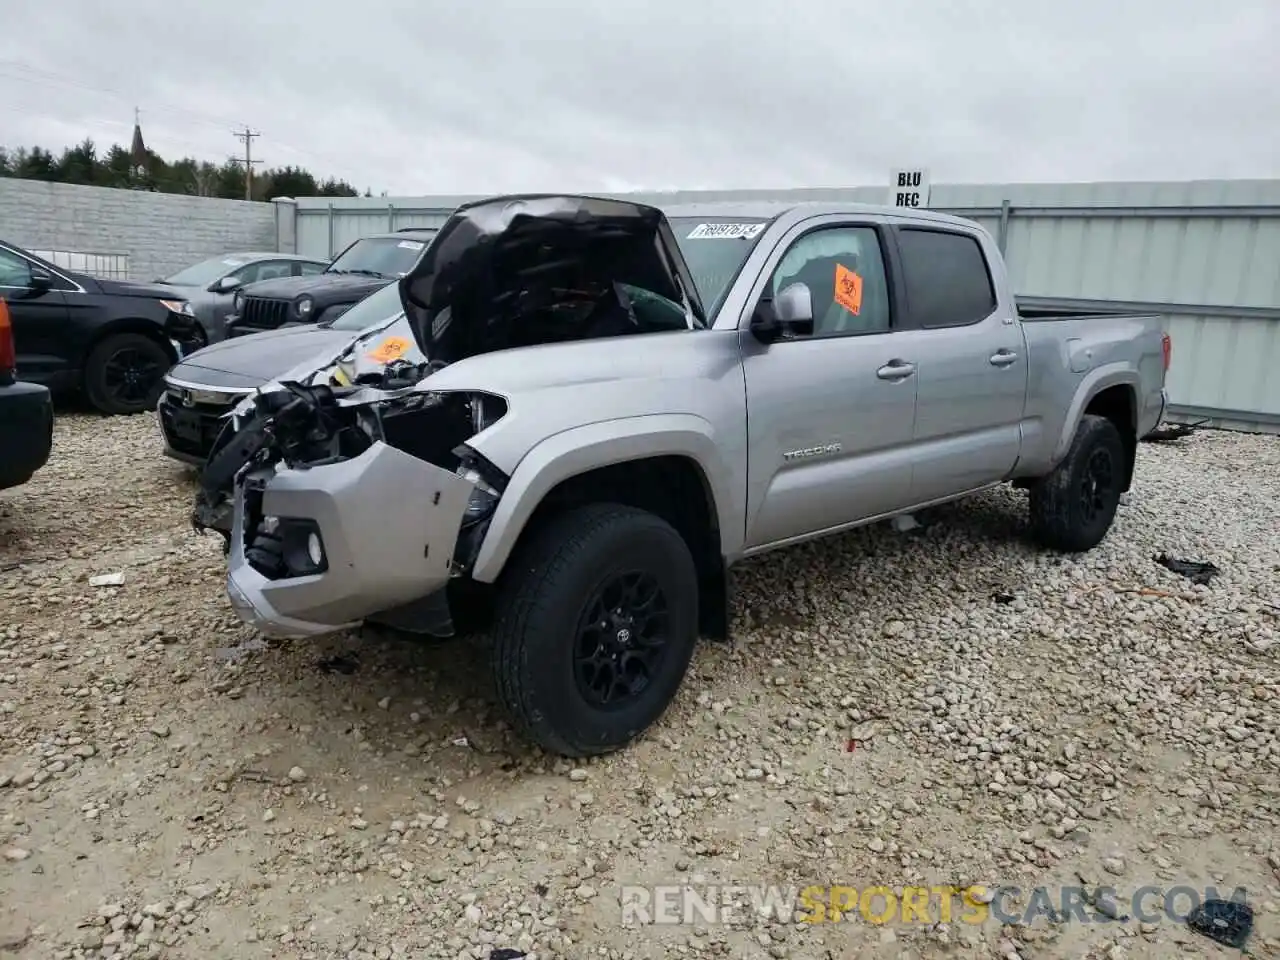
<point x="245" y="363"/>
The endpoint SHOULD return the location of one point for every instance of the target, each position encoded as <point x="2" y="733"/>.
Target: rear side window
<point x="947" y="280"/>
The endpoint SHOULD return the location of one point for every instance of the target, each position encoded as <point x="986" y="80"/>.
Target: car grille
<point x="192" y="428"/>
<point x="263" y="313"/>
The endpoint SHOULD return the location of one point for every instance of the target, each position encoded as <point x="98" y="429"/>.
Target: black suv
<point x="367" y="265"/>
<point x="76" y="332"/>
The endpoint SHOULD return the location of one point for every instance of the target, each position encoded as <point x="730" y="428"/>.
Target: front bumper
<point x="190" y="430"/>
<point x="389" y="525"/>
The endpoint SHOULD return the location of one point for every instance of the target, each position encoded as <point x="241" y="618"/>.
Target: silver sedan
<point x="210" y="285"/>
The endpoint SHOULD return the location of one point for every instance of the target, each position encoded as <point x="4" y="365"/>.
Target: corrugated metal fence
<point x="1206" y="254"/>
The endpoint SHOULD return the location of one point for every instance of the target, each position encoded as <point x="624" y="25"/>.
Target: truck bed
<point x="1044" y="309"/>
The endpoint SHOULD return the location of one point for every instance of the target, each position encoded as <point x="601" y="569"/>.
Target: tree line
<point x="85" y="164"/>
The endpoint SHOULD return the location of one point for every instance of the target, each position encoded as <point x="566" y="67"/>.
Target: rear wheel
<point x="1073" y="507"/>
<point x="125" y="373"/>
<point x="597" y="620"/>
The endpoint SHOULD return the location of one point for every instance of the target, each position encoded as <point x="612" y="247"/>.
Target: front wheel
<point x="125" y="374"/>
<point x="1073" y="507"/>
<point x="596" y="623"/>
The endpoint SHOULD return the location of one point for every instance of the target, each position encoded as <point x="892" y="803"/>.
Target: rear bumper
<point x="1154" y="415"/>
<point x="388" y="524"/>
<point x="26" y="432"/>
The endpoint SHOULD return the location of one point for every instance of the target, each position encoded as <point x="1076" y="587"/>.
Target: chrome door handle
<point x="1002" y="358"/>
<point x="896" y="370"/>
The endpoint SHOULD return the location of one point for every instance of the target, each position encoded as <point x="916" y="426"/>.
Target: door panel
<point x="39" y="322"/>
<point x="830" y="416"/>
<point x="968" y="410"/>
<point x="972" y="364"/>
<point x="805" y="395"/>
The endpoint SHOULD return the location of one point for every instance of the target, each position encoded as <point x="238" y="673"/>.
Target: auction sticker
<point x="389" y="349"/>
<point x="410" y="244"/>
<point x="848" y="289"/>
<point x="726" y="231"/>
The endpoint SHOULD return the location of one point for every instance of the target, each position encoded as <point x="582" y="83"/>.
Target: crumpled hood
<point x="496" y="261"/>
<point x="247" y="362"/>
<point x="329" y="287"/>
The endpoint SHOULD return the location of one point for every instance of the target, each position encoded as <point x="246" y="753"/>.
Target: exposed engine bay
<point x="502" y="274"/>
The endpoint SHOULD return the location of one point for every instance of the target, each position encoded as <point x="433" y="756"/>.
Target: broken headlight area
<point x="297" y="425"/>
<point x="302" y="427"/>
<point x="436" y="428"/>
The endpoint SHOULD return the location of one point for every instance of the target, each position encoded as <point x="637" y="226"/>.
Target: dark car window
<point x="948" y="283"/>
<point x="311" y="269"/>
<point x="265" y="270"/>
<point x="15" y="271"/>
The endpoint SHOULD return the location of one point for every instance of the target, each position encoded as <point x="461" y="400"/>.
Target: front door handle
<point x="896" y="370"/>
<point x="1002" y="358"/>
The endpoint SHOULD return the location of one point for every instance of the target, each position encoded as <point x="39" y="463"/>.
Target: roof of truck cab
<point x="770" y="210"/>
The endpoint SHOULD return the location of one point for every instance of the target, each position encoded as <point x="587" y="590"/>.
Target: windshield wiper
<point x="369" y="273"/>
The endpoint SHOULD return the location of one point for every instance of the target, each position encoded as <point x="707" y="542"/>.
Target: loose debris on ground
<point x="950" y="707"/>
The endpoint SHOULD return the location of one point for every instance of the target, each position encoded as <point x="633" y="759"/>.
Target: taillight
<point x="1167" y="344"/>
<point x="8" y="353"/>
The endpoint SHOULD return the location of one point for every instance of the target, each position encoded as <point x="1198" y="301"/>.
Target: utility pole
<point x="246" y="136"/>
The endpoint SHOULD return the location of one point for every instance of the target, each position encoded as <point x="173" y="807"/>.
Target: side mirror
<point x="790" y="313"/>
<point x="225" y="284"/>
<point x="39" y="283"/>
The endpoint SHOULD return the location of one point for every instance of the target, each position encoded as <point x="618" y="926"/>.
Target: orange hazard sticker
<point x="848" y="289"/>
<point x="389" y="349"/>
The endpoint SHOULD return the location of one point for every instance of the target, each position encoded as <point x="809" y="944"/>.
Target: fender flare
<point x="581" y="449"/>
<point x="1095" y="381"/>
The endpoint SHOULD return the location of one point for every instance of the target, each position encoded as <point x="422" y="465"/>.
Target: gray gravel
<point x="172" y="785"/>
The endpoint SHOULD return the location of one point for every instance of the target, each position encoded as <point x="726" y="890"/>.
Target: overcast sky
<point x="487" y="96"/>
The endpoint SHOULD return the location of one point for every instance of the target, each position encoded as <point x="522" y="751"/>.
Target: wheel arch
<point x="665" y="464"/>
<point x="1110" y="391"/>
<point x="140" y="325"/>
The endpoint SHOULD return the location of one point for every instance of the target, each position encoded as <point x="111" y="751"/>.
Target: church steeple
<point x="138" y="149"/>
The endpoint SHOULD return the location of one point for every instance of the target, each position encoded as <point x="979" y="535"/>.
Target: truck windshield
<point x="715" y="250"/>
<point x="389" y="257"/>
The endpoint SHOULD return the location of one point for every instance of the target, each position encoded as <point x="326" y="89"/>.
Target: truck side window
<point x="948" y="283"/>
<point x="844" y="270"/>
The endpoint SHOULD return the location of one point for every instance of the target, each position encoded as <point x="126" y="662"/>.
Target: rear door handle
<point x="1002" y="358"/>
<point x="896" y="370"/>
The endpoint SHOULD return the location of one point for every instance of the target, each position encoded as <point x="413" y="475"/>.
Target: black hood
<point x="244" y="362"/>
<point x="325" y="288"/>
<point x="498" y="267"/>
<point x="127" y="288"/>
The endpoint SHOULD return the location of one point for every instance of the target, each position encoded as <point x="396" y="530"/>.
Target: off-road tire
<point x="1058" y="518"/>
<point x="542" y="596"/>
<point x="95" y="385"/>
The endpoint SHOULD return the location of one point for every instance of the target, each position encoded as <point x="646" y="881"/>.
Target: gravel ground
<point x="171" y="785"/>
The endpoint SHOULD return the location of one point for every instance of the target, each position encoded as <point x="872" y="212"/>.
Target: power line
<point x="246" y="136"/>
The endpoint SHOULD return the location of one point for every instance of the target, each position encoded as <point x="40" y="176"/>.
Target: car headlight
<point x="178" y="306"/>
<point x="237" y="302"/>
<point x="304" y="306"/>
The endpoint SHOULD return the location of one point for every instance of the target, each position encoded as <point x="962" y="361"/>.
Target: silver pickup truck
<point x="620" y="403"/>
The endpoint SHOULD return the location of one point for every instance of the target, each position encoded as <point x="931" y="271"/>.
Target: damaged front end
<point x="345" y="504"/>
